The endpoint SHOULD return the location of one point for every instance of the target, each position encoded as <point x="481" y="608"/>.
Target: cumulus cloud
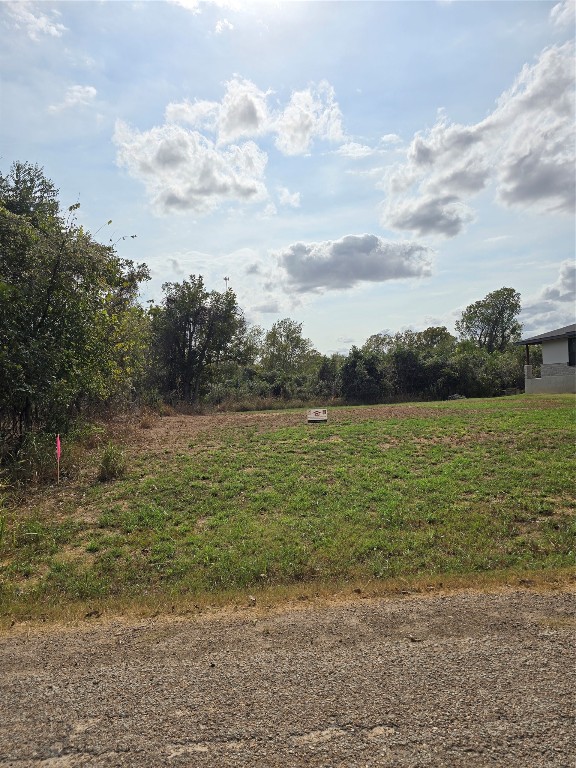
<point x="222" y="25"/>
<point x="286" y="197"/>
<point x="554" y="306"/>
<point x="271" y="307"/>
<point x="525" y="148"/>
<point x="269" y="211"/>
<point x="195" y="161"/>
<point x="33" y="21"/>
<point x="311" y="113"/>
<point x="354" y="150"/>
<point x="184" y="171"/>
<point x="391" y="138"/>
<point x="76" y="96"/>
<point x="244" y="111"/>
<point x="563" y="14"/>
<point x="564" y="289"/>
<point x="444" y="215"/>
<point x="343" y="263"/>
<point x="200" y="114"/>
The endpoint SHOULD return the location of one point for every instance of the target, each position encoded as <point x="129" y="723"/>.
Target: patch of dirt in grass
<point x="75" y="555"/>
<point x="466" y="439"/>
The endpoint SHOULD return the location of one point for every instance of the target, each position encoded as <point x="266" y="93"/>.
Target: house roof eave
<point x="566" y="332"/>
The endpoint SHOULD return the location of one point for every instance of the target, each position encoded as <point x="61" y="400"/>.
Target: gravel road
<point x="462" y="679"/>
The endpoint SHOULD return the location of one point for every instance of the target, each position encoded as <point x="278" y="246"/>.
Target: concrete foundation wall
<point x="551" y="385"/>
<point x="554" y="369"/>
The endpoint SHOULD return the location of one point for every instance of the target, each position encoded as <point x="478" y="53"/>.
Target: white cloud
<point x="444" y="215"/>
<point x="554" y="306"/>
<point x="76" y="96"/>
<point x="496" y="240"/>
<point x="525" y="148"/>
<point x="184" y="171"/>
<point x="222" y="25"/>
<point x="200" y="114"/>
<point x="26" y="16"/>
<point x="286" y="197"/>
<point x="193" y="163"/>
<point x="354" y="150"/>
<point x="269" y="211"/>
<point x="189" y="5"/>
<point x="311" y="113"/>
<point x="340" y="264"/>
<point x="563" y="14"/>
<point x="243" y="111"/>
<point x="391" y="138"/>
<point x="195" y="6"/>
<point x="564" y="289"/>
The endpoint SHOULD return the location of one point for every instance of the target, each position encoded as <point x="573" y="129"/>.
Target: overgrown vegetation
<point x="112" y="463"/>
<point x="463" y="487"/>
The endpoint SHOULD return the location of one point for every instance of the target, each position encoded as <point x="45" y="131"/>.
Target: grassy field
<point x="255" y="500"/>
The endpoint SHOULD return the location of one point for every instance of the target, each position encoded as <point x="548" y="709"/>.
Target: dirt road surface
<point x="462" y="679"/>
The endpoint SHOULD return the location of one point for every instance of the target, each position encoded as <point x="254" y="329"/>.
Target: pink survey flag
<point x="58" y="447"/>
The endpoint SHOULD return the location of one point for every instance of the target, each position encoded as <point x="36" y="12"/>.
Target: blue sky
<point x="355" y="166"/>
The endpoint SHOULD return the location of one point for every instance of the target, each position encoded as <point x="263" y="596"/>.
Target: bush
<point x="35" y="459"/>
<point x="112" y="463"/>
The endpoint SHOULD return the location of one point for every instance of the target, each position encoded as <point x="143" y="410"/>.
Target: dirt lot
<point x="462" y="679"/>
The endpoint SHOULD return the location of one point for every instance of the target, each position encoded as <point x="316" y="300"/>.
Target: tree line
<point x="74" y="337"/>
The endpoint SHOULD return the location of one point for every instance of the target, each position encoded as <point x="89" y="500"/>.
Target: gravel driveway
<point x="463" y="679"/>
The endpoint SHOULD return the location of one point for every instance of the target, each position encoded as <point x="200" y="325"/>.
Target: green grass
<point x="464" y="487"/>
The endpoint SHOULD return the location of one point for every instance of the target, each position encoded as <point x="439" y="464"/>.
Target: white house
<point x="558" y="370"/>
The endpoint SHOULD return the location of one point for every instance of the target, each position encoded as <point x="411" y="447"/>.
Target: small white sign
<point x="317" y="414"/>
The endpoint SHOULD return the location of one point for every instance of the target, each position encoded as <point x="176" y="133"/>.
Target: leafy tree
<point x="363" y="377"/>
<point x="289" y="363"/>
<point x="286" y="351"/>
<point x="25" y="191"/>
<point x="413" y="359"/>
<point x="328" y="377"/>
<point x="194" y="331"/>
<point x="63" y="304"/>
<point x="379" y="343"/>
<point x="492" y="322"/>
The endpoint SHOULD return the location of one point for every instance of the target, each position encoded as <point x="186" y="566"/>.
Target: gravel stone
<point x="453" y="680"/>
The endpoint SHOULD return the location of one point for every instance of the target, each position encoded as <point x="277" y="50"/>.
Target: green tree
<point x="413" y="360"/>
<point x="492" y="322"/>
<point x="63" y="305"/>
<point x="379" y="343"/>
<point x="194" y="331"/>
<point x="363" y="377"/>
<point x="328" y="377"/>
<point x="289" y="363"/>
<point x="286" y="351"/>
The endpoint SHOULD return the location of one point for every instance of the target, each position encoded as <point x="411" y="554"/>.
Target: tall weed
<point x="112" y="463"/>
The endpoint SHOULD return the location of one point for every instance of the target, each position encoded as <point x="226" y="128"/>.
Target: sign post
<point x="58" y="453"/>
<point x="317" y="414"/>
